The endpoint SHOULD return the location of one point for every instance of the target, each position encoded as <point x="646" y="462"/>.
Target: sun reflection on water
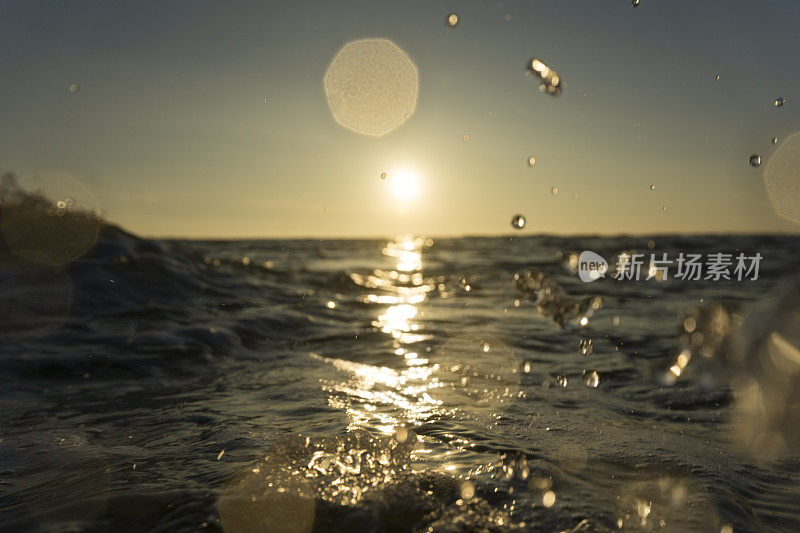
<point x="386" y="398"/>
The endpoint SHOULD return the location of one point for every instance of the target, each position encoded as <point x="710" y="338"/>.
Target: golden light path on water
<point x="469" y="376"/>
<point x="383" y="398"/>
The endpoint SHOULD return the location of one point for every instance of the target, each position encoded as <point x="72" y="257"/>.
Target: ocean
<point x="407" y="384"/>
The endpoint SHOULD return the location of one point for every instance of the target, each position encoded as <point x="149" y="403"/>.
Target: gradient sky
<point x="170" y="132"/>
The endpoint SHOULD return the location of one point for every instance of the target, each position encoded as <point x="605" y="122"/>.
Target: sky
<point x="170" y="133"/>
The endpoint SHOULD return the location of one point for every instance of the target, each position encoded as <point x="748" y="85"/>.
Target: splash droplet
<point x="518" y="221"/>
<point x="531" y="161"/>
<point x="549" y="498"/>
<point x="652" y="187"/>
<point x="465" y="138"/>
<point x="591" y="378"/>
<point x="383" y="175"/>
<point x="774" y="140"/>
<point x="401" y="435"/>
<point x="716" y="77"/>
<point x="755" y="160"/>
<point x="74" y="87"/>
<point x="467" y="490"/>
<point x="562" y="381"/>
<point x="635" y="3"/>
<point x="585" y="346"/>
<point x="452" y="20"/>
<point x="779" y="101"/>
<point x="551" y="82"/>
<point x="554" y="191"/>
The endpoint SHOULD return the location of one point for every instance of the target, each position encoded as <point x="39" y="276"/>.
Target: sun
<point x="405" y="184"/>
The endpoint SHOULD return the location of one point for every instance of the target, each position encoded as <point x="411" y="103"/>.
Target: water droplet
<point x="551" y="82"/>
<point x="591" y="378"/>
<point x="652" y="187"/>
<point x="562" y="381"/>
<point x="265" y="100"/>
<point x="549" y="497"/>
<point x="465" y="138"/>
<point x="755" y="160"/>
<point x="74" y="87"/>
<point x="716" y="77"/>
<point x="554" y="191"/>
<point x="401" y="435"/>
<point x="61" y="204"/>
<point x="452" y="20"/>
<point x="779" y="101"/>
<point x="531" y="161"/>
<point x="467" y="490"/>
<point x="634" y="3"/>
<point x="518" y="221"/>
<point x="585" y="346"/>
<point x="383" y="175"/>
<point x="774" y="140"/>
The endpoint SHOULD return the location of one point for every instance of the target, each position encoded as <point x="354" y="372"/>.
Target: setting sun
<point x="405" y="184"/>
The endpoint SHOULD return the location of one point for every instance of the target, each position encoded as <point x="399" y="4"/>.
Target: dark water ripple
<point x="125" y="375"/>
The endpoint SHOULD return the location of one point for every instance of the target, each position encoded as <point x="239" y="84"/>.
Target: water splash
<point x="550" y="82"/>
<point x="552" y="302"/>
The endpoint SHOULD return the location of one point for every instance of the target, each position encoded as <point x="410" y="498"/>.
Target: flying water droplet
<point x="452" y="20"/>
<point x="465" y="138"/>
<point x="549" y="498"/>
<point x="652" y="187"/>
<point x="635" y="3"/>
<point x="774" y="140"/>
<point x="779" y="101"/>
<point x="585" y="346"/>
<point x="717" y="77"/>
<point x="551" y="82"/>
<point x="518" y="221"/>
<point x="562" y="381"/>
<point x="554" y="191"/>
<point x="591" y="378"/>
<point x="467" y="490"/>
<point x="383" y="175"/>
<point x="531" y="161"/>
<point x="755" y="160"/>
<point x="74" y="87"/>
